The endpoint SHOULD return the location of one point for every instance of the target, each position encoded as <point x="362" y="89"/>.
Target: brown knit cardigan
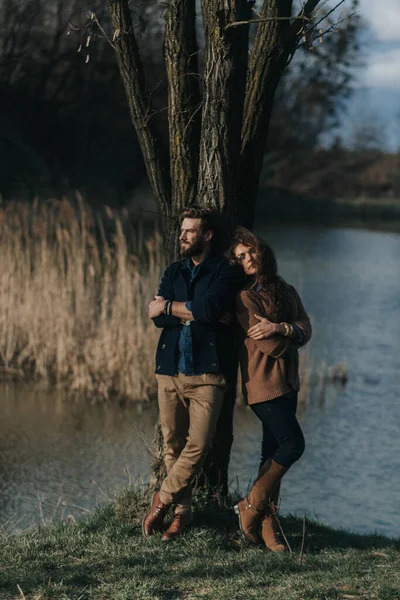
<point x="270" y="367"/>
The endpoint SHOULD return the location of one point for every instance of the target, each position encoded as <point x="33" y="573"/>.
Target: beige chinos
<point x="189" y="409"/>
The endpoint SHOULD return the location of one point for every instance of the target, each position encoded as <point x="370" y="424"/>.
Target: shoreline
<point x="281" y="206"/>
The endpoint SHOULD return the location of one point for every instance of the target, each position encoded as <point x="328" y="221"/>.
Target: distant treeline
<point x="337" y="173"/>
<point x="64" y="122"/>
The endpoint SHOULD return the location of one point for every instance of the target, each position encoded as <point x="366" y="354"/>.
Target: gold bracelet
<point x="286" y="326"/>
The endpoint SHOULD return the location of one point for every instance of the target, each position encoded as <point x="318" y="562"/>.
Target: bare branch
<point x="262" y="20"/>
<point x="95" y="19"/>
<point x="324" y="17"/>
<point x="139" y="102"/>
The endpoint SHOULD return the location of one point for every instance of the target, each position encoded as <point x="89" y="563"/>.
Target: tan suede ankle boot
<point x="249" y="521"/>
<point x="269" y="532"/>
<point x="251" y="510"/>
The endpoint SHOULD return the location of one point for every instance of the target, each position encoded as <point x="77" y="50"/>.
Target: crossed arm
<point x="211" y="307"/>
<point x="270" y="337"/>
<point x="178" y="309"/>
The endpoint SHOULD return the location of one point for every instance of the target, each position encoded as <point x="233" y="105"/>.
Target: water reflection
<point x="59" y="456"/>
<point x="52" y="446"/>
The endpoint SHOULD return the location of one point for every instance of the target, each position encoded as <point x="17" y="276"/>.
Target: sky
<point x="378" y="82"/>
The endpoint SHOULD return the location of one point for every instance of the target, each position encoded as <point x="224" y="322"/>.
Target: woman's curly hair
<point x="272" y="286"/>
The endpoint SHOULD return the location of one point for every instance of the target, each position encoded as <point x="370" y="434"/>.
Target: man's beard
<point x="193" y="249"/>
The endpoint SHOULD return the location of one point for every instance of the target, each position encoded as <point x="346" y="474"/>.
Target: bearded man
<point x="194" y="354"/>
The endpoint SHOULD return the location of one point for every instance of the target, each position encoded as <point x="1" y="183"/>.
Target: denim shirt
<point x="185" y="344"/>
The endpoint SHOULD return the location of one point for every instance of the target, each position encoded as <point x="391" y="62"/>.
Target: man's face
<point x="192" y="239"/>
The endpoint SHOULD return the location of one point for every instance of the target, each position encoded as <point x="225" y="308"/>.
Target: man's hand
<point x="263" y="330"/>
<point x="156" y="307"/>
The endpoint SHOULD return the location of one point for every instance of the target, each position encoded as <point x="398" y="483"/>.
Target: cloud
<point x="383" y="16"/>
<point x="383" y="69"/>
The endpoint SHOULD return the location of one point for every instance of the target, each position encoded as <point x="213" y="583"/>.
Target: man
<point x="194" y="353"/>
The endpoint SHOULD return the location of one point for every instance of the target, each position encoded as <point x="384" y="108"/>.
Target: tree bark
<point x="274" y="46"/>
<point x="184" y="103"/>
<point x="225" y="66"/>
<point x="268" y="59"/>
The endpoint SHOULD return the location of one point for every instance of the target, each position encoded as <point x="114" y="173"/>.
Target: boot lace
<point x="157" y="511"/>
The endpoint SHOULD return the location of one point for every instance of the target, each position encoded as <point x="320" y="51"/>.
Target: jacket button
<point x="158" y="368"/>
<point x="213" y="364"/>
<point x="163" y="346"/>
<point x="212" y="344"/>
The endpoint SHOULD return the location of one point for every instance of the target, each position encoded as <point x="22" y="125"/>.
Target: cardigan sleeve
<point x="246" y="308"/>
<point x="302" y="320"/>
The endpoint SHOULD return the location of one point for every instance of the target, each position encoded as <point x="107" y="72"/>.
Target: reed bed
<point x="74" y="289"/>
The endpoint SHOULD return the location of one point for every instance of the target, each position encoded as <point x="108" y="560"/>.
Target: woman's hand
<point x="263" y="330"/>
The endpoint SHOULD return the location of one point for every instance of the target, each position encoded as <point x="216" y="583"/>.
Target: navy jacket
<point x="212" y="293"/>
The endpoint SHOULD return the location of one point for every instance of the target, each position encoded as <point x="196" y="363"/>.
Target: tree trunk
<point x="225" y="67"/>
<point x="215" y="159"/>
<point x="184" y="103"/>
<point x="268" y="59"/>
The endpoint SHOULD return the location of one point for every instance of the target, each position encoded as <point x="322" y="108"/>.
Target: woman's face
<point x="246" y="256"/>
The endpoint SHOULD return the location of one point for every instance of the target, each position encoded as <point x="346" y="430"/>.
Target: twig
<point x="21" y="593"/>
<point x="275" y="515"/>
<point x="95" y="19"/>
<point x="143" y="438"/>
<point x="41" y="509"/>
<point x="329" y="13"/>
<point x="254" y="11"/>
<point x="320" y="35"/>
<point x="274" y="512"/>
<point x="303" y="540"/>
<point x="192" y="117"/>
<point x="101" y="490"/>
<point x="265" y="20"/>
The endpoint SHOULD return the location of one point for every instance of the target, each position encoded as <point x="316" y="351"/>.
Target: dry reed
<point x="74" y="299"/>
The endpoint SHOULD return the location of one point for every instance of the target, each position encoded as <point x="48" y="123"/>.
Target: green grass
<point x="105" y="557"/>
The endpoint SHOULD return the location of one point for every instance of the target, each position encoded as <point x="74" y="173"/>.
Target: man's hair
<point x="206" y="214"/>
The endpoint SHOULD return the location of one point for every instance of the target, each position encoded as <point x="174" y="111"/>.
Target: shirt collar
<point x="188" y="264"/>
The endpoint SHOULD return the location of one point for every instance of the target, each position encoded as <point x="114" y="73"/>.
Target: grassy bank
<point x="105" y="557"/>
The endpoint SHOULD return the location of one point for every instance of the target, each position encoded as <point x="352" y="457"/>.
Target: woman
<point x="273" y="325"/>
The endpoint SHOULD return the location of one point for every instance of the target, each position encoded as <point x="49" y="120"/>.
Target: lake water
<point x="60" y="457"/>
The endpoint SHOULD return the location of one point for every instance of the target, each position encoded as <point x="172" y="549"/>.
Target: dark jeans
<point x="283" y="440"/>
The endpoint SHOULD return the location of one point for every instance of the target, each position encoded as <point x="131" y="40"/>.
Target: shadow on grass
<point x="106" y="556"/>
<point x="220" y="516"/>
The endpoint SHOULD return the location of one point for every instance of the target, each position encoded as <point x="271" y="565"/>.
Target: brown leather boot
<point x="269" y="532"/>
<point x="154" y="519"/>
<point x="251" y="509"/>
<point x="249" y="520"/>
<point x="178" y="524"/>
